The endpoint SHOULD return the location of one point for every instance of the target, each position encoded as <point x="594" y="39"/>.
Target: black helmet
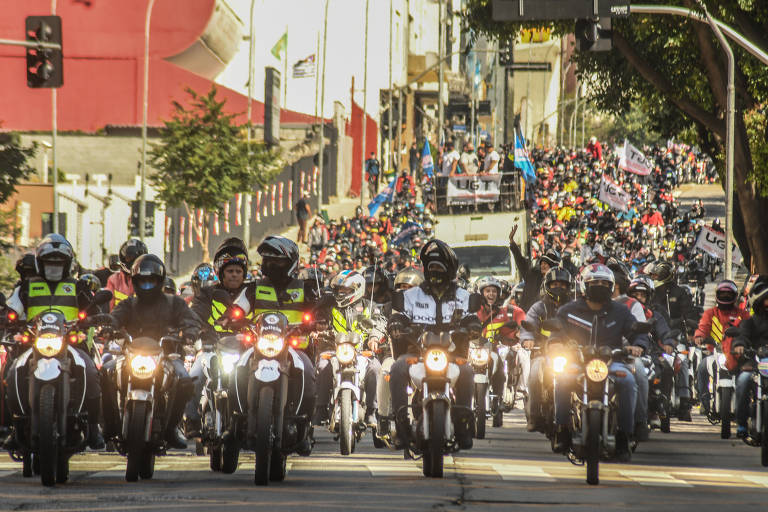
<point x="231" y="251"/>
<point x="517" y="292"/>
<point x="53" y="258"/>
<point x="92" y="282"/>
<point x="375" y="274"/>
<point x="758" y="294"/>
<point x="280" y="258"/>
<point x="726" y="294"/>
<point x="662" y="273"/>
<point x="203" y="275"/>
<point x="169" y="286"/>
<point x="113" y="262"/>
<point x="439" y="262"/>
<point x="147" y="275"/>
<point x="25" y="266"/>
<point x="558" y="295"/>
<point x="129" y="251"/>
<point x="551" y="257"/>
<point x="620" y="273"/>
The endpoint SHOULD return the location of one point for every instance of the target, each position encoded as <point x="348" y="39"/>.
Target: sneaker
<point x="741" y="432"/>
<point x="642" y="432"/>
<point x="95" y="439"/>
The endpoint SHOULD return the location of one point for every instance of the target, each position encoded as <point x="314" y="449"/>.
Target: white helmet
<point x="348" y="287"/>
<point x="487" y="281"/>
<point x="597" y="273"/>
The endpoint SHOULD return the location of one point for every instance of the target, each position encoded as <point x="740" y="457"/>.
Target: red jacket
<point x="714" y="322"/>
<point x="121" y="287"/>
<point x="501" y="315"/>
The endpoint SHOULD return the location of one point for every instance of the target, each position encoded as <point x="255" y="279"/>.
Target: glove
<point x="100" y="319"/>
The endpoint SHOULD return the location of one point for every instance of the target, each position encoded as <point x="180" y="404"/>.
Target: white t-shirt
<point x="448" y="160"/>
<point x="491" y="164"/>
<point x="469" y="163"/>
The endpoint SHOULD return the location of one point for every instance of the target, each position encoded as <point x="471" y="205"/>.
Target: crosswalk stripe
<point x="522" y="473"/>
<point x="760" y="480"/>
<point x="654" y="478"/>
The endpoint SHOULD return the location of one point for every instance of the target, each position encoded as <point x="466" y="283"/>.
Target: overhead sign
<point x="543" y="10"/>
<point x="633" y="160"/>
<point x="473" y="189"/>
<point x="613" y="195"/>
<point x="713" y="243"/>
<point x="530" y="66"/>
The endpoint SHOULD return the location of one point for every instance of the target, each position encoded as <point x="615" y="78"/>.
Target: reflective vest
<point x="63" y="299"/>
<point x="339" y="321"/>
<point x="217" y="309"/>
<point x="265" y="299"/>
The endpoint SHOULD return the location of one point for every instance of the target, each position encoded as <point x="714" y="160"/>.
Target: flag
<point x="238" y="209"/>
<point x="258" y="206"/>
<point x="182" y="220"/>
<point x="382" y="197"/>
<point x="408" y="231"/>
<point x="522" y="160"/>
<point x="226" y="217"/>
<point x="427" y="165"/>
<point x="305" y="67"/>
<point x="280" y="45"/>
<point x="280" y="187"/>
<point x="634" y="161"/>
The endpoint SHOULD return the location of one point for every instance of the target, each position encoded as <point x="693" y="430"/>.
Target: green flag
<point x="280" y="45"/>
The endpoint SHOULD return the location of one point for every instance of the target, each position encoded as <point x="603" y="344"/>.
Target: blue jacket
<point x="613" y="324"/>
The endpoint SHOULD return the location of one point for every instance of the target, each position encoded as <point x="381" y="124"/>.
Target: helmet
<point x="408" y="277"/>
<point x="643" y="284"/>
<point x="552" y="258"/>
<point x="463" y="272"/>
<point x="203" y="275"/>
<point x="348" y="287"/>
<point x="726" y="294"/>
<point x="485" y="282"/>
<point x="439" y="262"/>
<point x="620" y="273"/>
<point x="758" y="294"/>
<point x="594" y="274"/>
<point x="129" y="251"/>
<point x="517" y="292"/>
<point x="231" y="251"/>
<point x="113" y="262"/>
<point x="91" y="281"/>
<point x="662" y="273"/>
<point x="53" y="258"/>
<point x="280" y="258"/>
<point x="169" y="286"/>
<point x="374" y="274"/>
<point x="558" y="295"/>
<point x="25" y="266"/>
<point x="147" y="275"/>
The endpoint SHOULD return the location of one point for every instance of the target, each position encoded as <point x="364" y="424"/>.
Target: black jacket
<point x="754" y="332"/>
<point x="676" y="305"/>
<point x="531" y="274"/>
<point x="156" y="317"/>
<point x="613" y="324"/>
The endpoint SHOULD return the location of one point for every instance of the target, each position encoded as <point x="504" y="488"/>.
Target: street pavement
<point x="690" y="468"/>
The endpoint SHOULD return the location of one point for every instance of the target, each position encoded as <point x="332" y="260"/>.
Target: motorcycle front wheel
<point x="480" y="390"/>
<point x="48" y="449"/>
<point x="725" y="412"/>
<point x="141" y="460"/>
<point x="764" y="437"/>
<point x="592" y="447"/>
<point x="433" y="448"/>
<point x="346" y="423"/>
<point x="264" y="435"/>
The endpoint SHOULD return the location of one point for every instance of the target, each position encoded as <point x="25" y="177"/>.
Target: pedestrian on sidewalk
<point x="372" y="168"/>
<point x="303" y="213"/>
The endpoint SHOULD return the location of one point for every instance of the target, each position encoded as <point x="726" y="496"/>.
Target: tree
<point x="674" y="70"/>
<point x="202" y="160"/>
<point x="13" y="169"/>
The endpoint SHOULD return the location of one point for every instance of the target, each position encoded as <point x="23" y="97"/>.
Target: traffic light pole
<point x="143" y="191"/>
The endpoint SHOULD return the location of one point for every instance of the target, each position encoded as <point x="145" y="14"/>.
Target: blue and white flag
<point x="409" y="230"/>
<point x="382" y="197"/>
<point x="522" y="160"/>
<point x="427" y="164"/>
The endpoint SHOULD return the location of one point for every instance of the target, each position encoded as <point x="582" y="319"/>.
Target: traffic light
<point x="44" y="65"/>
<point x="506" y="53"/>
<point x="594" y="36"/>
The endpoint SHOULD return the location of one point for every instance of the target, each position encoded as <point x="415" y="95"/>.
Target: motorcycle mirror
<point x="222" y="297"/>
<point x="101" y="297"/>
<point x="475" y="302"/>
<point x="641" y="327"/>
<point x="732" y="332"/>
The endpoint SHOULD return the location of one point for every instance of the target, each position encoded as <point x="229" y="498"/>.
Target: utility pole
<point x="143" y="192"/>
<point x="247" y="216"/>
<point x="389" y="113"/>
<point x="54" y="130"/>
<point x="440" y="53"/>
<point x="322" y="110"/>
<point x="365" y="105"/>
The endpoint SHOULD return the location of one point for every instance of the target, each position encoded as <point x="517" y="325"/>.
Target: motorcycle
<point x="483" y="367"/>
<point x="722" y="384"/>
<point x="757" y="419"/>
<point x="49" y="383"/>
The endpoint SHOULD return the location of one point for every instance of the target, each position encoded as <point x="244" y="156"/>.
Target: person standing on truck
<point x="532" y="274"/>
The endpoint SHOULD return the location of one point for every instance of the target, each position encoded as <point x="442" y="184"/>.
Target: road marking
<point x="760" y="480"/>
<point x="396" y="468"/>
<point x="653" y="478"/>
<point x="522" y="473"/>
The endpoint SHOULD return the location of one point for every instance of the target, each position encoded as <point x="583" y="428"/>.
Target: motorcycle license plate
<point x="268" y="370"/>
<point x="481" y="378"/>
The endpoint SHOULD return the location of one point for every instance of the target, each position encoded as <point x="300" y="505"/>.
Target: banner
<point x="258" y="206"/>
<point x="238" y="209"/>
<point x="408" y="231"/>
<point x="191" y="231"/>
<point x="713" y="243"/>
<point x="226" y="217"/>
<point x="473" y="189"/>
<point x="427" y="164"/>
<point x="280" y="187"/>
<point x="382" y="197"/>
<point x="613" y="195"/>
<point x="633" y="160"/>
<point x="304" y="67"/>
<point x="182" y="220"/>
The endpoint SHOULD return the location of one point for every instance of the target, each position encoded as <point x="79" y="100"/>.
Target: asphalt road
<point x="688" y="469"/>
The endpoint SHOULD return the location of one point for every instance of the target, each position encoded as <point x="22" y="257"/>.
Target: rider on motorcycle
<point x="153" y="314"/>
<point x="614" y="323"/>
<point x="55" y="288"/>
<point x="120" y="283"/>
<point x="432" y="305"/>
<point x="753" y="333"/>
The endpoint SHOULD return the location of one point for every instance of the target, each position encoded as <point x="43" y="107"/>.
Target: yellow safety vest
<point x="63" y="299"/>
<point x="265" y="299"/>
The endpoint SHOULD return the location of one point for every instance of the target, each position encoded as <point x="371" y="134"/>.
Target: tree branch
<point x="658" y="80"/>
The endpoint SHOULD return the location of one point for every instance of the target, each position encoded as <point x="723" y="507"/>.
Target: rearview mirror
<point x="101" y="297"/>
<point x="732" y="332"/>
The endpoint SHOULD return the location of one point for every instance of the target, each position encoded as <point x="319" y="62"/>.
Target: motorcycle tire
<point x="725" y="412"/>
<point x="480" y="391"/>
<point x="498" y="417"/>
<point x="62" y="469"/>
<point x="279" y="466"/>
<point x="265" y="421"/>
<point x="214" y="454"/>
<point x="48" y="449"/>
<point x="764" y="438"/>
<point x="592" y="446"/>
<point x="136" y="447"/>
<point x="230" y="456"/>
<point x="26" y="465"/>
<point x="346" y="423"/>
<point x="666" y="419"/>
<point x="433" y="452"/>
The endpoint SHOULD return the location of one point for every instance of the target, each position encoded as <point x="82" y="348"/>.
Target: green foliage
<point x="13" y="164"/>
<point x="202" y="159"/>
<point x="8" y="275"/>
<point x="756" y="121"/>
<point x="633" y="125"/>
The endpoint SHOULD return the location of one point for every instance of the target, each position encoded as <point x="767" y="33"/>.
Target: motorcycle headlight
<point x="558" y="364"/>
<point x="270" y="345"/>
<point x="228" y="361"/>
<point x="436" y="360"/>
<point x="143" y="367"/>
<point x="345" y="353"/>
<point x="597" y="370"/>
<point x="479" y="356"/>
<point x="48" y="344"/>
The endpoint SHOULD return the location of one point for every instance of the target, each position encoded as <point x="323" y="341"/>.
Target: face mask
<point x="560" y="295"/>
<point x="53" y="271"/>
<point x="275" y="271"/>
<point x="599" y="294"/>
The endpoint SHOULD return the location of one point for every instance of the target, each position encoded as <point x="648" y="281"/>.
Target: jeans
<point x="625" y="387"/>
<point x="192" y="411"/>
<point x="743" y="382"/>
<point x="536" y="390"/>
<point x="702" y="380"/>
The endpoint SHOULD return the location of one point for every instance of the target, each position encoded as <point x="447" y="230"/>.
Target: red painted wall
<point x="103" y="65"/>
<point x="355" y="130"/>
